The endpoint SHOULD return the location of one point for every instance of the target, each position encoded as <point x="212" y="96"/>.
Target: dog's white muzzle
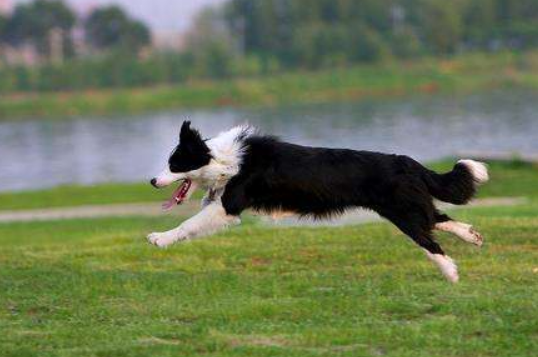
<point x="166" y="177"/>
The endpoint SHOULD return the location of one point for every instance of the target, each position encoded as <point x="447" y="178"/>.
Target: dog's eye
<point x="174" y="168"/>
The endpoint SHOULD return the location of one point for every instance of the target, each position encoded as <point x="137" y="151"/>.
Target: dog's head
<point x="189" y="156"/>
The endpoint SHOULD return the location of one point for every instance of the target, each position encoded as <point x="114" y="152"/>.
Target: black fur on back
<point x="321" y="182"/>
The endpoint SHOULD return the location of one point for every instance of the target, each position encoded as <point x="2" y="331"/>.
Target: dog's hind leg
<point x="208" y="221"/>
<point x="464" y="231"/>
<point x="422" y="235"/>
<point x="413" y="212"/>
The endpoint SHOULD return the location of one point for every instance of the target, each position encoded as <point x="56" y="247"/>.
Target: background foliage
<point x="316" y="32"/>
<point x="246" y="38"/>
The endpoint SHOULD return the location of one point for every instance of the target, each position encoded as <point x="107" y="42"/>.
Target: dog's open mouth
<point x="179" y="195"/>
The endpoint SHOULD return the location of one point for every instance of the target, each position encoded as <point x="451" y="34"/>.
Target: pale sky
<point x="161" y="15"/>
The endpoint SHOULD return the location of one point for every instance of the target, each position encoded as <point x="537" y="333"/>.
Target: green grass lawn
<point x="73" y="195"/>
<point x="66" y="196"/>
<point x="96" y="288"/>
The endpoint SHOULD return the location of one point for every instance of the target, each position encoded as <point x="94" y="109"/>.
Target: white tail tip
<point x="478" y="169"/>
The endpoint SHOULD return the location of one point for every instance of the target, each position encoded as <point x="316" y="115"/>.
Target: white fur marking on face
<point x="478" y="169"/>
<point x="461" y="230"/>
<point x="209" y="220"/>
<point x="167" y="177"/>
<point x="446" y="264"/>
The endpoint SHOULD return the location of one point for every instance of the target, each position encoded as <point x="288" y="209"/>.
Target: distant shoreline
<point x="463" y="74"/>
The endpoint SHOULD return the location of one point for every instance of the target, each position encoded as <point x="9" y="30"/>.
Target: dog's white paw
<point x="470" y="235"/>
<point x="162" y="240"/>
<point x="447" y="266"/>
<point x="478" y="239"/>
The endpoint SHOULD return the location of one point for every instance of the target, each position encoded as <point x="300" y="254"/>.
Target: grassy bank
<point x="67" y="196"/>
<point x="510" y="179"/>
<point x="95" y="288"/>
<point x="461" y="74"/>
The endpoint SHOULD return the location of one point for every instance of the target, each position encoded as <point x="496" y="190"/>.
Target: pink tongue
<point x="178" y="196"/>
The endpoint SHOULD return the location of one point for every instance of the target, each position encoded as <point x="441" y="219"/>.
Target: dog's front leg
<point x="211" y="196"/>
<point x="209" y="220"/>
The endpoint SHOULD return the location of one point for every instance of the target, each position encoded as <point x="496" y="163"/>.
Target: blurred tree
<point x="211" y="44"/>
<point x="405" y="43"/>
<point x="311" y="32"/>
<point x="480" y="20"/>
<point x="3" y="23"/>
<point x="517" y="22"/>
<point x="307" y="45"/>
<point x="110" y="27"/>
<point x="34" y="22"/>
<point x="320" y="44"/>
<point x="243" y="17"/>
<point x="441" y="26"/>
<point x="367" y="45"/>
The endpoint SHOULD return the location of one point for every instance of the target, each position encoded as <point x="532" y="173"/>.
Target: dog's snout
<point x="153" y="182"/>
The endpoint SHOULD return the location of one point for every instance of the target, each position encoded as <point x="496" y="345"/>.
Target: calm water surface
<point x="43" y="153"/>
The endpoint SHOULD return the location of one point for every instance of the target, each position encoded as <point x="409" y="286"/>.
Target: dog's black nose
<point x="153" y="182"/>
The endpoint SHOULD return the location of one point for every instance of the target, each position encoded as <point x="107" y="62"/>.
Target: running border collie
<point x="241" y="169"/>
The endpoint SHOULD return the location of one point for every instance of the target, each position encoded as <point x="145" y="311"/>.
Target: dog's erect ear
<point x="189" y="134"/>
<point x="190" y="138"/>
<point x="185" y="129"/>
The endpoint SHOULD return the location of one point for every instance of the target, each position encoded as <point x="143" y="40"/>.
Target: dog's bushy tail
<point x="459" y="185"/>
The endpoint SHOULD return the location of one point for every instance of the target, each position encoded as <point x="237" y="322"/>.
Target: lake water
<point x="43" y="153"/>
